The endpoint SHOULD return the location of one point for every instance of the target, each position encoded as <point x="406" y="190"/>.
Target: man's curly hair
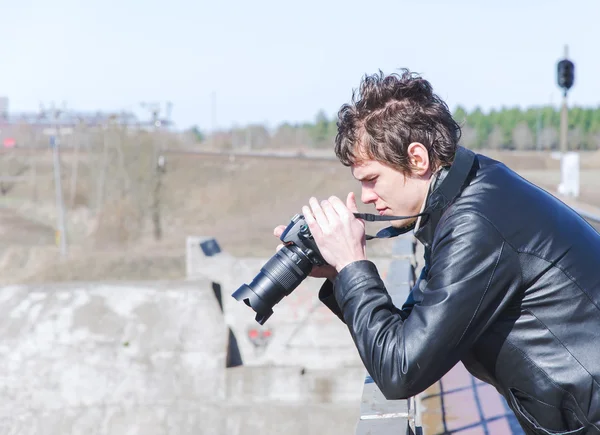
<point x="388" y="114"/>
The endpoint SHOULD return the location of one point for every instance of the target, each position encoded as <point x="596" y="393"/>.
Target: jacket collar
<point x="449" y="184"/>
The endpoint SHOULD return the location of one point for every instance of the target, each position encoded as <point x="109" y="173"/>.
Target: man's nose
<point x="368" y="196"/>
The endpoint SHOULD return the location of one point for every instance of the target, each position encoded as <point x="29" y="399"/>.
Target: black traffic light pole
<point x="565" y="75"/>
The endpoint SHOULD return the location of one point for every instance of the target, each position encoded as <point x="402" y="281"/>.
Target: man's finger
<point x="314" y="227"/>
<point x="278" y="231"/>
<point x="340" y="208"/>
<point x="351" y="203"/>
<point x="330" y="212"/>
<point x="318" y="213"/>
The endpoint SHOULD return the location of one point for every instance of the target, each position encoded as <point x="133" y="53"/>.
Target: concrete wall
<point x="304" y="333"/>
<point x="98" y="357"/>
<point x="149" y="358"/>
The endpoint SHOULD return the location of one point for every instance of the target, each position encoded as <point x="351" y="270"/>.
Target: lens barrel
<point x="280" y="275"/>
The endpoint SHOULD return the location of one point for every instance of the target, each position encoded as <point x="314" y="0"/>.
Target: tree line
<point x="535" y="128"/>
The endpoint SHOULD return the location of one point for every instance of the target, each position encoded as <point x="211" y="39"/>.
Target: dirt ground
<point x="236" y="200"/>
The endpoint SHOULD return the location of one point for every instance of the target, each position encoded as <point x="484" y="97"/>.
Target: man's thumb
<point x="351" y="203"/>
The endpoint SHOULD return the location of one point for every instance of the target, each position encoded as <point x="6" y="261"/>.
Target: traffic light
<point x="565" y="74"/>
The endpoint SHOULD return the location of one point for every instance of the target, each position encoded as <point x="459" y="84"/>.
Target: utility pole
<point x="538" y="131"/>
<point x="75" y="164"/>
<point x="34" y="178"/>
<point x="60" y="206"/>
<point x="157" y="181"/>
<point x="33" y="162"/>
<point x="213" y="98"/>
<point x="159" y="167"/>
<point x="102" y="175"/>
<point x="564" y="125"/>
<point x="565" y="71"/>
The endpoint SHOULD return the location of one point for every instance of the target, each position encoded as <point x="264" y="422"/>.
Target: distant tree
<point x="577" y="139"/>
<point x="593" y="141"/>
<point x="460" y="115"/>
<point x="482" y="126"/>
<point x="238" y="137"/>
<point x="496" y="139"/>
<point x="286" y="136"/>
<point x="549" y="138"/>
<point x="595" y="121"/>
<point x="550" y="117"/>
<point x="259" y="136"/>
<point x="508" y="120"/>
<point x="522" y="138"/>
<point x="504" y="128"/>
<point x="469" y="138"/>
<point x="197" y="134"/>
<point x="320" y="130"/>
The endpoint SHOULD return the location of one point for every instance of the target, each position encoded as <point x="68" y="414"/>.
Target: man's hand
<point x="338" y="234"/>
<point x="325" y="271"/>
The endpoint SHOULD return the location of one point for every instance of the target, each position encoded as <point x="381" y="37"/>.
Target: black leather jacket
<point x="510" y="287"/>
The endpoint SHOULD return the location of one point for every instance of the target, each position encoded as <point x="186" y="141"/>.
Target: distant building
<point x="51" y="122"/>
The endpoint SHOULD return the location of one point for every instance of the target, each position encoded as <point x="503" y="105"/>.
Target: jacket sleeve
<point x="328" y="298"/>
<point x="470" y="278"/>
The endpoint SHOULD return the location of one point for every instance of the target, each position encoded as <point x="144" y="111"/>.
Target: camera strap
<point x="388" y="232"/>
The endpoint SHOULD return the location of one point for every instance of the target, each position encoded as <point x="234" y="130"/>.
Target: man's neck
<point x="430" y="186"/>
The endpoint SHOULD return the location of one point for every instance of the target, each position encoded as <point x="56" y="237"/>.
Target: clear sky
<point x="275" y="61"/>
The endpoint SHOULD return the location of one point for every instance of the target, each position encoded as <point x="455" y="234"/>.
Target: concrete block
<point x="403" y="245"/>
<point x="295" y="384"/>
<point x="107" y="356"/>
<point x="375" y="405"/>
<point x="397" y="281"/>
<point x="385" y="426"/>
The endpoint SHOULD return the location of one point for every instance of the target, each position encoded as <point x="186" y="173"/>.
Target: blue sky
<point x="274" y="61"/>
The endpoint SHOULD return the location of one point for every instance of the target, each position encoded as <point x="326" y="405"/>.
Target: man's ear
<point x="418" y="158"/>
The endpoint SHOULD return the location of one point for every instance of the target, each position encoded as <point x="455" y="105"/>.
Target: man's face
<point x="392" y="192"/>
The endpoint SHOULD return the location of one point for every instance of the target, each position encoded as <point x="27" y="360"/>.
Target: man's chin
<point x="403" y="223"/>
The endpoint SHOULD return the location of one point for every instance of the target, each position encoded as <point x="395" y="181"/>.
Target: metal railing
<point x="379" y="416"/>
<point x="592" y="218"/>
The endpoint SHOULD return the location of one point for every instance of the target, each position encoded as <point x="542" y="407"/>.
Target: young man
<point x="511" y="283"/>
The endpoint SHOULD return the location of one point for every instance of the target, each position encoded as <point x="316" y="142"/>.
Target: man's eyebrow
<point x="364" y="176"/>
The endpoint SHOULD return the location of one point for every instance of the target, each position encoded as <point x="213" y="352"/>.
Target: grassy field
<point x="236" y="200"/>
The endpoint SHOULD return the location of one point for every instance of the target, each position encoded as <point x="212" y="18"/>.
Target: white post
<point x="569" y="169"/>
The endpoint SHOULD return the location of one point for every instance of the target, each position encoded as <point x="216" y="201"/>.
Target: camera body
<point x="297" y="233"/>
<point x="283" y="272"/>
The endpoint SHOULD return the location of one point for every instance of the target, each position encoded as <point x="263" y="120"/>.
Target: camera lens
<point x="276" y="279"/>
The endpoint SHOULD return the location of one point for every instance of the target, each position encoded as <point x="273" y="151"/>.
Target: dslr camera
<point x="283" y="272"/>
